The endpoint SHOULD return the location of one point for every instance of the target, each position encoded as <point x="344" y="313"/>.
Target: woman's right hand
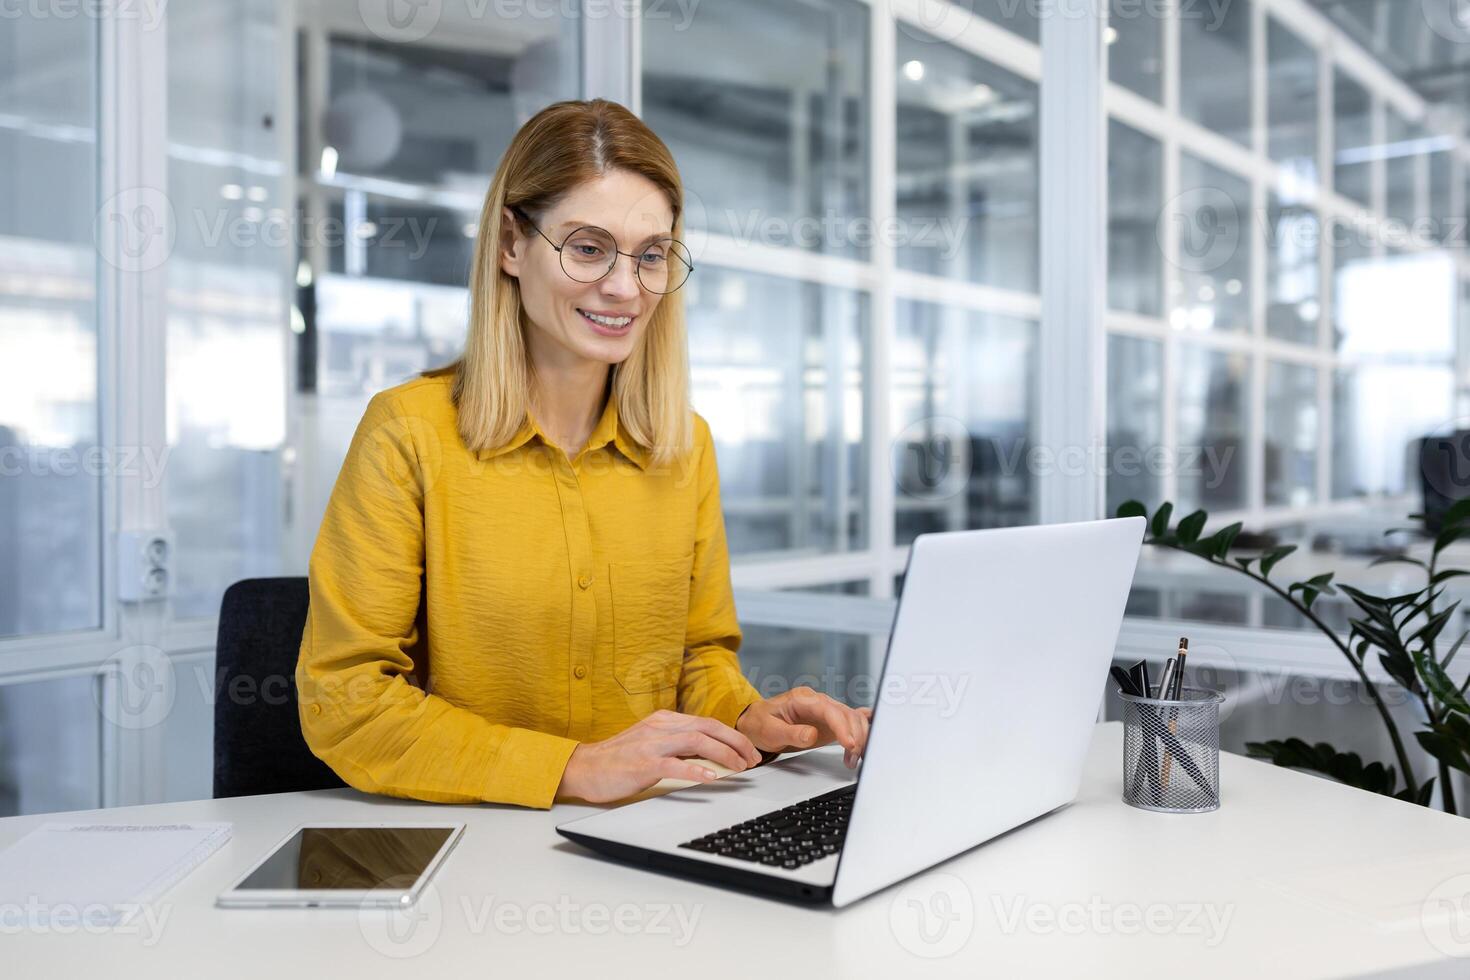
<point x="657" y="747"/>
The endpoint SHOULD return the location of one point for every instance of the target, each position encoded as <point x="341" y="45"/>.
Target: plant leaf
<point x="1444" y="748"/>
<point x="1221" y="540"/>
<point x="1455" y="513"/>
<point x="1160" y="524"/>
<point x="1422" y="797"/>
<point x="1454" y="650"/>
<point x="1438" y="683"/>
<point x="1270" y="558"/>
<point x="1345" y="767"/>
<point x="1449" y="536"/>
<point x="1398" y="560"/>
<point x="1190" y="527"/>
<point x="1430" y="631"/>
<point x="1132" y="508"/>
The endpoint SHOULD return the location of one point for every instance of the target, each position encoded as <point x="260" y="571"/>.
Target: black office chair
<point x="258" y="747"/>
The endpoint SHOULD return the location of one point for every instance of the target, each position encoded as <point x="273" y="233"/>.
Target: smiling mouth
<point x="607" y="324"/>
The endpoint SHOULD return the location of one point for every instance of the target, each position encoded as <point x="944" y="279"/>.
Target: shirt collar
<point x="608" y="429"/>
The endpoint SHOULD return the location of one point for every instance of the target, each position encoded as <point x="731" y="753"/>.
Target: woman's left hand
<point x="801" y="719"/>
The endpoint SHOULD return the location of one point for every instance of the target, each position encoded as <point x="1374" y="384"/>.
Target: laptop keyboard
<point x="786" y="838"/>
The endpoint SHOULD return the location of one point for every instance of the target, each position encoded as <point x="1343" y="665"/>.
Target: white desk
<point x="1293" y="877"/>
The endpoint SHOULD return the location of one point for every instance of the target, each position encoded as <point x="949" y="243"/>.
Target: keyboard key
<point x="790" y="837"/>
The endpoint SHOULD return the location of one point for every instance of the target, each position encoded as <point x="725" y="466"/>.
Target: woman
<point x="520" y="590"/>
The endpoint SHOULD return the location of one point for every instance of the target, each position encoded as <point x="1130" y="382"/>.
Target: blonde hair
<point x="560" y="147"/>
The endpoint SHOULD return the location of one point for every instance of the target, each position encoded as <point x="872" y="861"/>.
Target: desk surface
<point x="1293" y="876"/>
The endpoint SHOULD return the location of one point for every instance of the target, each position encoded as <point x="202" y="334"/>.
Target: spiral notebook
<point x="100" y="874"/>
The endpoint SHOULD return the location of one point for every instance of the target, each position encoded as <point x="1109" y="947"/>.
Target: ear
<point x="512" y="248"/>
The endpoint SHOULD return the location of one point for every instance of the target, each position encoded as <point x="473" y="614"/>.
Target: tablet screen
<point x="349" y="858"/>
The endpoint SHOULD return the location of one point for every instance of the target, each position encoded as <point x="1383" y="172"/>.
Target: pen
<point x="1175" y="692"/>
<point x="1166" y="683"/>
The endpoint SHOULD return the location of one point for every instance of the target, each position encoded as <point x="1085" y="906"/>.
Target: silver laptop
<point x="989" y="691"/>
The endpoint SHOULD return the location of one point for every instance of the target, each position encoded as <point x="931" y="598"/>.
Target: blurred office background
<point x="297" y="183"/>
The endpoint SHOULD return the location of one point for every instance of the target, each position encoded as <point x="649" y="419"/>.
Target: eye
<point x="587" y="250"/>
<point x="651" y="257"/>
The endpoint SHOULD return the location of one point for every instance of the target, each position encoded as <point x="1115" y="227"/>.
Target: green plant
<point x="1402" y="631"/>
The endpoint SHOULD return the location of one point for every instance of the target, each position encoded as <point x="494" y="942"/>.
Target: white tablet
<point x="346" y="865"/>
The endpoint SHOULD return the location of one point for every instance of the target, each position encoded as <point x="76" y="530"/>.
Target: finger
<point x="832" y="715"/>
<point x="669" y="768"/>
<point x="719" y="730"/>
<point x="787" y="735"/>
<point x="698" y="743"/>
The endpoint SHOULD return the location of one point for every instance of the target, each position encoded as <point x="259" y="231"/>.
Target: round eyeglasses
<point x="589" y="254"/>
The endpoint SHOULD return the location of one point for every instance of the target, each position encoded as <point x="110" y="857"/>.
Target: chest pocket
<point x="650" y="604"/>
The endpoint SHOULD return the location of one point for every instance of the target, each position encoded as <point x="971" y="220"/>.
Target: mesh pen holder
<point x="1171" y="751"/>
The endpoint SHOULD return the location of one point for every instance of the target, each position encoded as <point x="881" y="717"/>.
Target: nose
<point x="622" y="282"/>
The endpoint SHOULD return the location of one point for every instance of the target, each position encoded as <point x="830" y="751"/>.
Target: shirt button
<point x="579" y="671"/>
<point x="316" y="709"/>
<point x="585" y="582"/>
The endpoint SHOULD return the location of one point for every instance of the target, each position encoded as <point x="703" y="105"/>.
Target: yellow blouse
<point x="475" y="615"/>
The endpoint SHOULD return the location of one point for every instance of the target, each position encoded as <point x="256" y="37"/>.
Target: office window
<point x="1395" y="335"/>
<point x="1291" y="101"/>
<point x="1346" y="479"/>
<point x="1215" y="67"/>
<point x="52" y="465"/>
<point x="227" y="313"/>
<point x="1292" y="435"/>
<point x="1352" y="138"/>
<point x="1443" y="228"/>
<point x="1135" y="421"/>
<point x="764" y="105"/>
<point x="779" y="370"/>
<point x="967" y="167"/>
<point x="776" y="659"/>
<point x="1293" y="297"/>
<point x="439" y="112"/>
<point x="1213" y="402"/>
<point x="403" y="241"/>
<point x="1018" y="17"/>
<point x="1210" y="287"/>
<point x="395" y="160"/>
<point x="1134" y="36"/>
<point x="49" y="737"/>
<point x="963" y="407"/>
<point x="1135" y="189"/>
<point x="1403" y="146"/>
